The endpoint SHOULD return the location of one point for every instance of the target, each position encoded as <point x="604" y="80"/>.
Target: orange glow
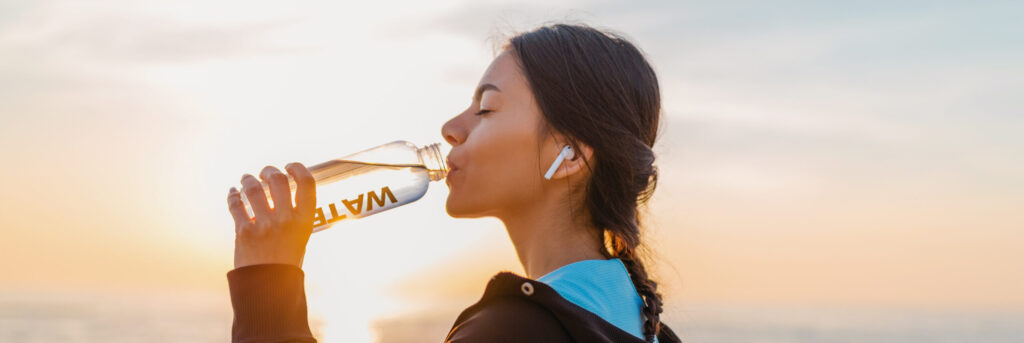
<point x="799" y="166"/>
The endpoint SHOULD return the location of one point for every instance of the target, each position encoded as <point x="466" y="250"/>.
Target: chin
<point x="454" y="209"/>
<point x="459" y="209"/>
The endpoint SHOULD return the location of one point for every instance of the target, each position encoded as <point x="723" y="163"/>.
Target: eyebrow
<point x="484" y="87"/>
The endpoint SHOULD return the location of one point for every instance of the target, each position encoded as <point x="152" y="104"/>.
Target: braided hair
<point x="597" y="88"/>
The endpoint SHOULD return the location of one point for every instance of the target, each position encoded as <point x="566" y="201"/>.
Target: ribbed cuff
<point x="269" y="301"/>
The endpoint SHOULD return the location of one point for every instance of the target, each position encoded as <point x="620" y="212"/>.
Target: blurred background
<point x="830" y="172"/>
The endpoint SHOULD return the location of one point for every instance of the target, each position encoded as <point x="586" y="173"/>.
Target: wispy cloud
<point x="807" y="125"/>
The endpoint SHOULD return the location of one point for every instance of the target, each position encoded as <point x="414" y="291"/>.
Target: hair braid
<point x="623" y="234"/>
<point x="598" y="89"/>
<point x="647" y="288"/>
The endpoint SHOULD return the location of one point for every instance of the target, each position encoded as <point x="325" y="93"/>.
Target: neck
<point x="547" y="237"/>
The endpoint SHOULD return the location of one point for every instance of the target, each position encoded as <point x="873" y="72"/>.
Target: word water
<point x="355" y="208"/>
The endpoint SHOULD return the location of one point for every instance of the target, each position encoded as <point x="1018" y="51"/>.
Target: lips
<point x="452" y="168"/>
<point x="451" y="164"/>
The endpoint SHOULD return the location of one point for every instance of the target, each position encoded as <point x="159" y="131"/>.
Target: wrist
<point x="244" y="259"/>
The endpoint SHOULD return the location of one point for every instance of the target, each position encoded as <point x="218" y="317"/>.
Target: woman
<point x="560" y="89"/>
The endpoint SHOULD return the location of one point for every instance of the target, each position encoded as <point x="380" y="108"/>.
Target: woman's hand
<point x="278" y="234"/>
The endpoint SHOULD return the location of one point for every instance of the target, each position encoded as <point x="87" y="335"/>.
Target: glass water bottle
<point x="370" y="181"/>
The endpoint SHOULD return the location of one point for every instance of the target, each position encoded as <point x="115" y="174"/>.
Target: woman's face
<point x="494" y="161"/>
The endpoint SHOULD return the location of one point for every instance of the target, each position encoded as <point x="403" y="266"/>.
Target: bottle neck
<point x="431" y="157"/>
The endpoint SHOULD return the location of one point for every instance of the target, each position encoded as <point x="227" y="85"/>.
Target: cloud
<point x="121" y="40"/>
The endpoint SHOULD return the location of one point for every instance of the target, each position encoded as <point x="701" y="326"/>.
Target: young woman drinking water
<point x="557" y="145"/>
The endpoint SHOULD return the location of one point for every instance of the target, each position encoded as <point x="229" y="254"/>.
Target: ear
<point x="582" y="154"/>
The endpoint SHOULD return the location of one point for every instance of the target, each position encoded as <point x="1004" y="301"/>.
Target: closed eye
<point x="484" y="112"/>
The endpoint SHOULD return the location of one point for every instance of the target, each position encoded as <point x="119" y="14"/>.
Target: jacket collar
<point x="583" y="325"/>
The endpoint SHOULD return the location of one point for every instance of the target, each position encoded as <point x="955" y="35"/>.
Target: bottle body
<point x="370" y="181"/>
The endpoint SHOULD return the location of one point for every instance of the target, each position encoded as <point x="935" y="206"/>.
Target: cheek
<point x="507" y="180"/>
<point x="502" y="171"/>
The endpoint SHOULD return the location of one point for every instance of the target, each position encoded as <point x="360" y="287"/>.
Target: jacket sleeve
<point x="269" y="303"/>
<point x="509" y="320"/>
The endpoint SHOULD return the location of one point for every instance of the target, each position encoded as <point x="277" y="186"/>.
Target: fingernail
<point x="233" y="190"/>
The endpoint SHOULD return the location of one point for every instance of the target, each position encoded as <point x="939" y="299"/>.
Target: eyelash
<point x="484" y="112"/>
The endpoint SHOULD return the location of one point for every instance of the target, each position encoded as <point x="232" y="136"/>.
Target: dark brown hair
<point x="596" y="88"/>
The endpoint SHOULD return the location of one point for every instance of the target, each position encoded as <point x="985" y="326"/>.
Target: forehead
<point x="504" y="72"/>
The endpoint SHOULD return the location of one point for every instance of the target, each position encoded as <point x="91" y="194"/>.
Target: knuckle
<point x="269" y="170"/>
<point x="243" y="230"/>
<point x="281" y="222"/>
<point x="278" y="177"/>
<point x="247" y="178"/>
<point x="250" y="183"/>
<point x="298" y="169"/>
<point x="261" y="226"/>
<point x="253" y="190"/>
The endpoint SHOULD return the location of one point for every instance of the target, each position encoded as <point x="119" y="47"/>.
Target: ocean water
<point x="766" y="325"/>
<point x="194" y="319"/>
<point x="113" y="318"/>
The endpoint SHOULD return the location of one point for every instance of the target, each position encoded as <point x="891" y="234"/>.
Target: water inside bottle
<point x="349" y="189"/>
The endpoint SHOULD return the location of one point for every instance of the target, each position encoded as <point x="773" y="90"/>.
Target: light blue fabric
<point x="602" y="287"/>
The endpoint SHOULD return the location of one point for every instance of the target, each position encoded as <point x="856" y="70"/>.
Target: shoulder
<point x="518" y="309"/>
<point x="507" y="318"/>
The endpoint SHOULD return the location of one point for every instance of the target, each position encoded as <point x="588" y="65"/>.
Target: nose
<point x="453" y="131"/>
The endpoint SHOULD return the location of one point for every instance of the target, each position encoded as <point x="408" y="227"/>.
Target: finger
<point x="237" y="208"/>
<point x="305" y="190"/>
<point x="278" y="188"/>
<point x="257" y="197"/>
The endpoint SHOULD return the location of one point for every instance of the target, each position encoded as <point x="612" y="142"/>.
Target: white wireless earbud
<point x="564" y="154"/>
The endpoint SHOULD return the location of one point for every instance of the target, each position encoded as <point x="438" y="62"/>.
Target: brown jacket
<point x="270" y="306"/>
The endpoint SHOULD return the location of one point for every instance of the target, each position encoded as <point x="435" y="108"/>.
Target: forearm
<point x="269" y="303"/>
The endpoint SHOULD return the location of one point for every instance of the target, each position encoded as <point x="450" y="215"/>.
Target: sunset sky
<point x="861" y="154"/>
